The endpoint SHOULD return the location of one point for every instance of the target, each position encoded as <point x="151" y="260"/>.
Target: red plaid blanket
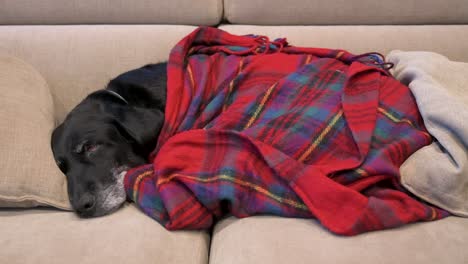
<point x="260" y="127"/>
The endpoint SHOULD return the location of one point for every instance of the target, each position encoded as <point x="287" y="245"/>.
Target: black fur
<point x="104" y="135"/>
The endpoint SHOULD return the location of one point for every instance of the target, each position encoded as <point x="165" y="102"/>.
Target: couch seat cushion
<point x="266" y="239"/>
<point x="449" y="40"/>
<point x="127" y="236"/>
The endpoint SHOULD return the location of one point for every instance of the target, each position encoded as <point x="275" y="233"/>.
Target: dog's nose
<point x="86" y="204"/>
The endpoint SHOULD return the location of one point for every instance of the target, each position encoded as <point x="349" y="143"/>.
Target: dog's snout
<point x="86" y="205"/>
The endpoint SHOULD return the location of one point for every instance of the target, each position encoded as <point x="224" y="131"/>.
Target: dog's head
<point x="100" y="139"/>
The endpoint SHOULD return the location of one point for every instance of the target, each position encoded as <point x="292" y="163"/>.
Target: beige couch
<point x="52" y="53"/>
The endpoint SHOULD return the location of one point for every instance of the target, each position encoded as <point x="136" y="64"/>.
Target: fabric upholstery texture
<point x="342" y="12"/>
<point x="274" y="240"/>
<point x="29" y="176"/>
<point x="452" y="41"/>
<point x="438" y="173"/>
<point x="205" y="12"/>
<point x="76" y="60"/>
<point x="48" y="236"/>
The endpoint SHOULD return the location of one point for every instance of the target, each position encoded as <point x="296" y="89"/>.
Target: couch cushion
<point x="340" y="12"/>
<point x="266" y="239"/>
<point x="29" y="175"/>
<point x="451" y="41"/>
<point x="76" y="60"/>
<point x="127" y="236"/>
<point x="205" y="12"/>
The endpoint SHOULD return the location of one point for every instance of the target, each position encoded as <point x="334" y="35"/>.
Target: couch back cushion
<point x="449" y="40"/>
<point x="345" y="12"/>
<point x="76" y="60"/>
<point x="29" y="175"/>
<point x="200" y="12"/>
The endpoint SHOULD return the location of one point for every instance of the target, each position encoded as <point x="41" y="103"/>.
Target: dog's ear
<point x="56" y="133"/>
<point x="143" y="87"/>
<point x="141" y="119"/>
<point x="55" y="137"/>
<point x="140" y="125"/>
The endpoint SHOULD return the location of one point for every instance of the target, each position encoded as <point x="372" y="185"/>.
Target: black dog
<point x="110" y="131"/>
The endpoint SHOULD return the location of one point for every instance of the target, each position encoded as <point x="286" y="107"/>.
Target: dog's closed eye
<point x="86" y="147"/>
<point x="89" y="148"/>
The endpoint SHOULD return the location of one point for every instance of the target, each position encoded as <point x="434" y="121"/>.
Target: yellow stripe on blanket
<point x="261" y="105"/>
<point x="322" y="135"/>
<point x="136" y="186"/>
<point x="255" y="187"/>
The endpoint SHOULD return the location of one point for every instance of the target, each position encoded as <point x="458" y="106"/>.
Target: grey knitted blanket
<point x="438" y="173"/>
